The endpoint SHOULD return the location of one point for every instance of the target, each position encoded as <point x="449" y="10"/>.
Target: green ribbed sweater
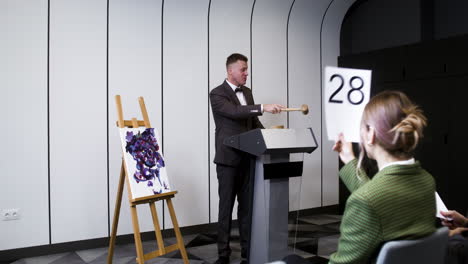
<point x="398" y="203"/>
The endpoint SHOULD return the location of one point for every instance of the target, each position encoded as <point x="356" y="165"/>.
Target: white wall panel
<point x="304" y="88"/>
<point x="225" y="39"/>
<point x="330" y="39"/>
<point x="134" y="70"/>
<point x="78" y="120"/>
<point x="23" y="155"/>
<point x="268" y="71"/>
<point x="185" y="109"/>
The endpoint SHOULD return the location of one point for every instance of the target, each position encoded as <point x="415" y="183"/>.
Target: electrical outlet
<point x="10" y="214"/>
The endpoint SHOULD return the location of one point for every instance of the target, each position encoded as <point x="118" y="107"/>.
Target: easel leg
<point x="115" y="222"/>
<point x="180" y="240"/>
<point x="136" y="233"/>
<point x="157" y="229"/>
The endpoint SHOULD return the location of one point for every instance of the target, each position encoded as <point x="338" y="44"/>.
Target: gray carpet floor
<point x="312" y="237"/>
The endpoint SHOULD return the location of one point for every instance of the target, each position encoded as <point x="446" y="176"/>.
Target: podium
<point x="275" y="163"/>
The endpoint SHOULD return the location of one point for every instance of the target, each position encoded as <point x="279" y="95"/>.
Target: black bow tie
<point x="237" y="90"/>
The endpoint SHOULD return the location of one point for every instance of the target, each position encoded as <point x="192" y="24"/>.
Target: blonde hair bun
<point x="410" y="129"/>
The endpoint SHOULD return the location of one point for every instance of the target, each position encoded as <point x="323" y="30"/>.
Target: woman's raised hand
<point x="344" y="149"/>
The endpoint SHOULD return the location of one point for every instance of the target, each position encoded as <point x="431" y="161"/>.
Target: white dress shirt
<point x="239" y="95"/>
<point x="400" y="162"/>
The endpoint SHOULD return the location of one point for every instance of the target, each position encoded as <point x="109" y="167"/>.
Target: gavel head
<point x="305" y="109"/>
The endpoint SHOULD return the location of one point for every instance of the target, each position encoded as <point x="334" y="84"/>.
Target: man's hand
<point x="344" y="149"/>
<point x="458" y="220"/>
<point x="273" y="108"/>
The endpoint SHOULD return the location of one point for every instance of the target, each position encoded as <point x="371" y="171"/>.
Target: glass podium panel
<point x="270" y="211"/>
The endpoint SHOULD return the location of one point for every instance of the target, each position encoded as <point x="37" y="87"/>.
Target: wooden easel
<point x="141" y="257"/>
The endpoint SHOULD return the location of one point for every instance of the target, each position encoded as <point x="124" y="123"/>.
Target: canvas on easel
<point x="144" y="172"/>
<point x="144" y="161"/>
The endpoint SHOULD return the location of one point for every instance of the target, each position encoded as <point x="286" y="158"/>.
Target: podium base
<point x="269" y="232"/>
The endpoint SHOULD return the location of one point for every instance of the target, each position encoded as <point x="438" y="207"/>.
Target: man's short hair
<point x="233" y="58"/>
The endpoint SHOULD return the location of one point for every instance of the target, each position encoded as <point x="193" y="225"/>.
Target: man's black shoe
<point x="222" y="260"/>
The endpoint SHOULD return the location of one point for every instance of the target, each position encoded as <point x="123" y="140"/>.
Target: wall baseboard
<point x="8" y="256"/>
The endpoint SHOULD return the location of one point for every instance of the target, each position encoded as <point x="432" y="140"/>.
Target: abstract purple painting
<point x="145" y="164"/>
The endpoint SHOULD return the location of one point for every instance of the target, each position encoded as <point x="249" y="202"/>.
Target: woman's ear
<point x="370" y="137"/>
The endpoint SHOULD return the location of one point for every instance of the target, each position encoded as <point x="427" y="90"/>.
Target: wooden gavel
<point x="304" y="109"/>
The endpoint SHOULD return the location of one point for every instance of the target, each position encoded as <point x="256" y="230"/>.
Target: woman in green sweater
<point x="398" y="202"/>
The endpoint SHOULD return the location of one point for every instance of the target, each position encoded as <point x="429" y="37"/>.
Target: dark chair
<point x="428" y="250"/>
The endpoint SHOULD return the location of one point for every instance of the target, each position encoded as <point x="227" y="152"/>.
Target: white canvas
<point x="146" y="169"/>
<point x="347" y="92"/>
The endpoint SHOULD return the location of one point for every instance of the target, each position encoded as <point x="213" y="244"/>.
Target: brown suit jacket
<point x="232" y="118"/>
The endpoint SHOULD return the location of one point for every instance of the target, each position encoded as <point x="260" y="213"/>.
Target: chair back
<point x="428" y="250"/>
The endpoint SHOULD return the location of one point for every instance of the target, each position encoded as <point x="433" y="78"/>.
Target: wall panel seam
<point x="321" y="104"/>
<point x="251" y="55"/>
<point x="162" y="97"/>
<point x="208" y="107"/>
<point x="107" y="121"/>
<point x="287" y="61"/>
<point x="48" y="120"/>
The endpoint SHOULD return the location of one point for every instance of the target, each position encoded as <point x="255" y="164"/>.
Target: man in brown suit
<point x="234" y="112"/>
